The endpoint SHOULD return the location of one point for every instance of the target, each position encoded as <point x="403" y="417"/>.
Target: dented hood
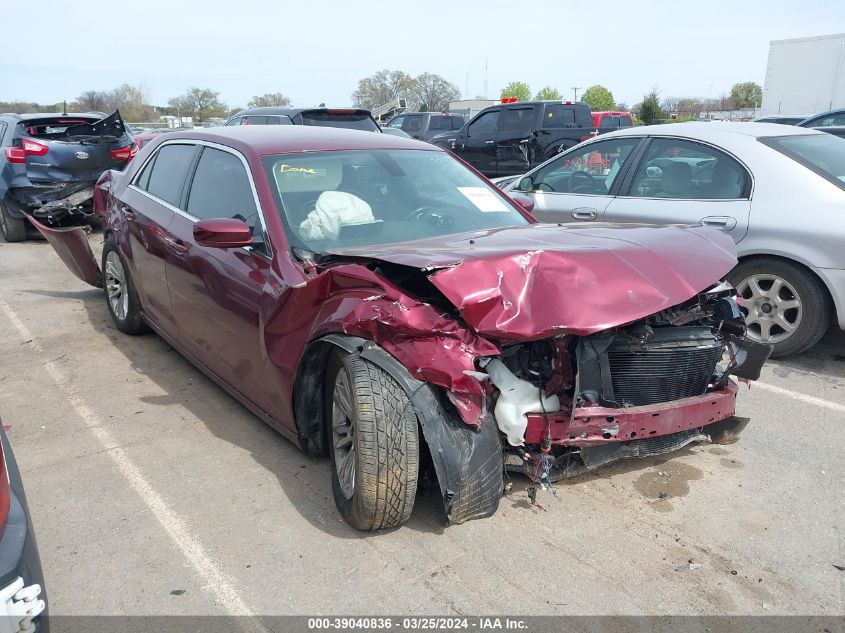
<point x="540" y="280"/>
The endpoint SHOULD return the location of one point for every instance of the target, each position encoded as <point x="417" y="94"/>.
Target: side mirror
<point x="526" y="183"/>
<point x="524" y="201"/>
<point x="222" y="233"/>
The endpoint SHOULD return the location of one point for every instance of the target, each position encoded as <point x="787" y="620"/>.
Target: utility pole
<point x="485" y="78"/>
<point x="575" y="90"/>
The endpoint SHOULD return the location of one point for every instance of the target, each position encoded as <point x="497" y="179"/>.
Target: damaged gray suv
<point x="50" y="162"/>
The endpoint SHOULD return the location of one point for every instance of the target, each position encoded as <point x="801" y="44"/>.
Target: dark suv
<point x="350" y="118"/>
<point x="512" y="137"/>
<point x="50" y="162"/>
<point x="426" y="125"/>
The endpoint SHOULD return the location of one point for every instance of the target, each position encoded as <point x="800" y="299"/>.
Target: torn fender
<point x="540" y="280"/>
<point x="71" y="245"/>
<point x="469" y="462"/>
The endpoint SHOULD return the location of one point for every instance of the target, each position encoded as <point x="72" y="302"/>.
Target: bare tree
<point x="200" y="104"/>
<point x="268" y="99"/>
<point x="433" y="93"/>
<point x="383" y="87"/>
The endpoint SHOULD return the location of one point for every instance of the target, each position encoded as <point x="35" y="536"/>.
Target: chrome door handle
<point x="722" y="222"/>
<point x="176" y="245"/>
<point x="489" y="142"/>
<point x="584" y="213"/>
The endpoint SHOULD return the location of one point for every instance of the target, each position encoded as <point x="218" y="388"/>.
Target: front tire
<point x="13" y="229"/>
<point x="374" y="444"/>
<point x="121" y="297"/>
<point x="784" y="304"/>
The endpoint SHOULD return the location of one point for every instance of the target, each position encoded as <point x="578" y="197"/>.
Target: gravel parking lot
<point x="154" y="492"/>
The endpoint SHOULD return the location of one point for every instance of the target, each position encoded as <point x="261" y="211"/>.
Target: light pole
<point x="575" y="90"/>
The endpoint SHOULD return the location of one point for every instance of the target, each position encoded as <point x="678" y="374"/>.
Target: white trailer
<point x="805" y="75"/>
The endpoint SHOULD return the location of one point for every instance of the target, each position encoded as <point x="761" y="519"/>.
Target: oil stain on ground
<point x="665" y="482"/>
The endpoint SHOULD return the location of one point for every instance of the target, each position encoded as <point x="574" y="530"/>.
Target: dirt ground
<point x="154" y="492"/>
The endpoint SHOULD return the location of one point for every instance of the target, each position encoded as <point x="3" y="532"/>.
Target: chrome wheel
<point x="343" y="434"/>
<point x="116" y="291"/>
<point x="772" y="307"/>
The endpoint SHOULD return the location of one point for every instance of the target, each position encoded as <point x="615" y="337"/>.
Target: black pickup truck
<point x="511" y="138"/>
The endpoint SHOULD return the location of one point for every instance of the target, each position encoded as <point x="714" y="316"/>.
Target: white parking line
<point x="818" y="402"/>
<point x="217" y="582"/>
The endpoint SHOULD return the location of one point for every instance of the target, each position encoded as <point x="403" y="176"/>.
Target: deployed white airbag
<point x="333" y="210"/>
<point x="516" y="398"/>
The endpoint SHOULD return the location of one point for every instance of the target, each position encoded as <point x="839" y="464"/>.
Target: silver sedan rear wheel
<point x="773" y="307"/>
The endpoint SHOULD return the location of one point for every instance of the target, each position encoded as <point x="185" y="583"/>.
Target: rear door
<point x="679" y="181"/>
<point x="514" y="142"/>
<point x="216" y="293"/>
<point x="478" y="145"/>
<point x="149" y="205"/>
<point x="578" y="185"/>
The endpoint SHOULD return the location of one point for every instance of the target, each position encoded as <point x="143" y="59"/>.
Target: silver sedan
<point x="778" y="190"/>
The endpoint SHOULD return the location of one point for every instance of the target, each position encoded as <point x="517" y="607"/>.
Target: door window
<point x="236" y="121"/>
<point x="413" y="123"/>
<point x="221" y="189"/>
<point x="559" y="115"/>
<point x="589" y="170"/>
<point x="518" y="119"/>
<point x="827" y="120"/>
<point x="680" y="169"/>
<point x="168" y="171"/>
<point x="484" y="125"/>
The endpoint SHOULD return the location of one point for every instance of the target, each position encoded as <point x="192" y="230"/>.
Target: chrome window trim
<point x="193" y="218"/>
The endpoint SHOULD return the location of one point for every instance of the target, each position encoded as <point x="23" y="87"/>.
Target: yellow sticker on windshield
<point x="287" y="169"/>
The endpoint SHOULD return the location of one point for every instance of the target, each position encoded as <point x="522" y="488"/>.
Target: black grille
<point x="675" y="363"/>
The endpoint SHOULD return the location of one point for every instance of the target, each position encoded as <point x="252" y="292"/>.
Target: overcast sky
<point x="316" y="51"/>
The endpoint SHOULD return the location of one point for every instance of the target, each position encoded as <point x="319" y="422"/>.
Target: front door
<point x="478" y="146"/>
<point x="217" y="293"/>
<point x="685" y="182"/>
<point x="578" y="185"/>
<point x="514" y="142"/>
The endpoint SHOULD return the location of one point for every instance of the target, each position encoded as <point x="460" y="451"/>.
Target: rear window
<point x="168" y="173"/>
<point x="821" y="153"/>
<point x="559" y="116"/>
<point x="349" y="120"/>
<point x="53" y="127"/>
<point x="445" y="122"/>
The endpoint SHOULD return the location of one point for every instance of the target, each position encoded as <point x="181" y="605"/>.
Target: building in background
<point x="805" y="75"/>
<point x="470" y="107"/>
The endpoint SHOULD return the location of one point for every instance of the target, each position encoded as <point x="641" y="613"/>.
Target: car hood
<point x="541" y="280"/>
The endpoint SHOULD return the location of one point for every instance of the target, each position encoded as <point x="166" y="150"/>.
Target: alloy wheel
<point x="343" y="434"/>
<point x="772" y="307"/>
<point x="116" y="286"/>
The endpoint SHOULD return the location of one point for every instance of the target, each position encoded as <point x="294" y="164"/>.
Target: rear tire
<point x="373" y="442"/>
<point x="121" y="297"/>
<point x="780" y="295"/>
<point x="13" y="229"/>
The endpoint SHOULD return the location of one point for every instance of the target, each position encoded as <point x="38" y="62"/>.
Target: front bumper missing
<point x="592" y="426"/>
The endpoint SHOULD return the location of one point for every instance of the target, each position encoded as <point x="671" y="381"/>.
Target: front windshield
<point x="339" y="199"/>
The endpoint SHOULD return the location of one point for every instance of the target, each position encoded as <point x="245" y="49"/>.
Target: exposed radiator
<point x="677" y="362"/>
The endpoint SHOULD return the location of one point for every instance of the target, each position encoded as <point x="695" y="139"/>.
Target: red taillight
<point x="510" y="99"/>
<point x="5" y="491"/>
<point x="15" y="155"/>
<point x="125" y="153"/>
<point x="31" y="148"/>
<point x="28" y="148"/>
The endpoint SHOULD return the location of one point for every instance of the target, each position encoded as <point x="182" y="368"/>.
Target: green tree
<point x="383" y="87"/>
<point x="200" y="104"/>
<point x="548" y="94"/>
<point x="433" y="93"/>
<point x="599" y="98"/>
<point x="518" y="89"/>
<point x="268" y="99"/>
<point x="747" y="94"/>
<point x="650" y="111"/>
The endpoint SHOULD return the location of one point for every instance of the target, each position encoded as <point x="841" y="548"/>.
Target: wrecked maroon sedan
<point x="375" y="299"/>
